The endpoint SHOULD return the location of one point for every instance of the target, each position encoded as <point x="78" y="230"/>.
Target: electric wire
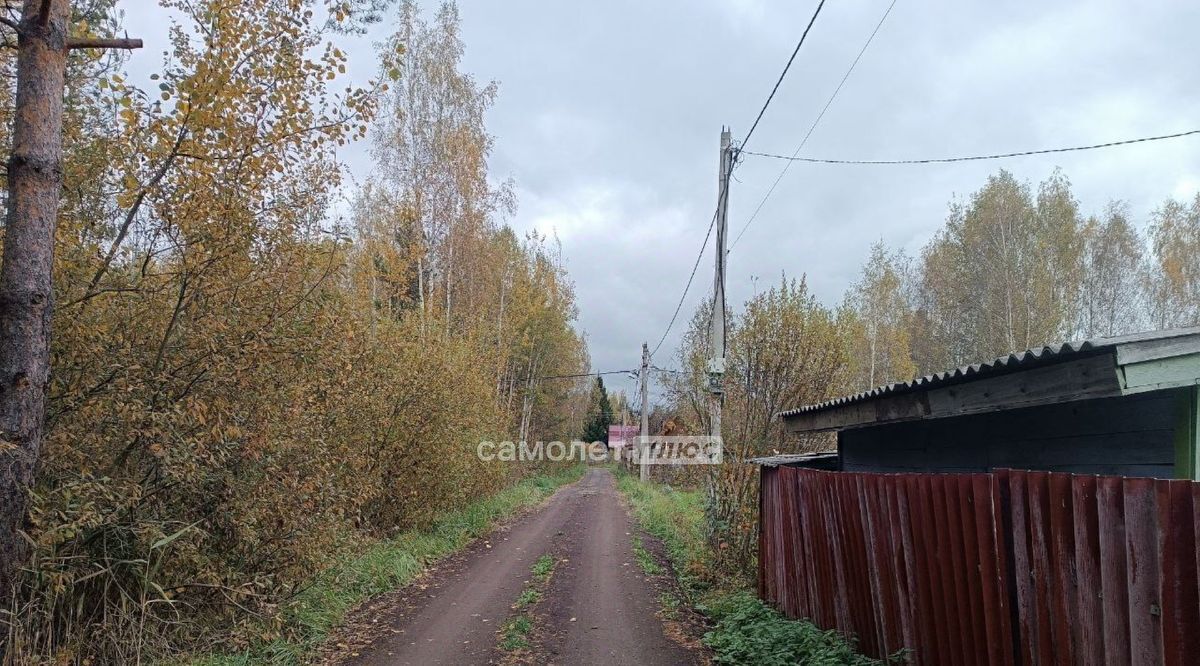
<point x="724" y="193"/>
<point x="784" y="73"/>
<point x="975" y="158"/>
<point x="812" y="127"/>
<point x="688" y="286"/>
<point x="589" y="374"/>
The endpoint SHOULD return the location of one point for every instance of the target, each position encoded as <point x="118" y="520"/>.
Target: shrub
<point x="749" y="632"/>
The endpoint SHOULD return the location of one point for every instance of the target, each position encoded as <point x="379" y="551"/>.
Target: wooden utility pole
<point x="34" y="185"/>
<point x="643" y="448"/>
<point x="716" y="335"/>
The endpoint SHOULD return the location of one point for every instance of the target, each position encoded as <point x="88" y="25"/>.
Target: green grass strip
<point x="385" y="566"/>
<point x="746" y="631"/>
<point x="514" y="635"/>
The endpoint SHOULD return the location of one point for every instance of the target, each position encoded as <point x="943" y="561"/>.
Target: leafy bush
<point x="385" y="566"/>
<point x="749" y="632"/>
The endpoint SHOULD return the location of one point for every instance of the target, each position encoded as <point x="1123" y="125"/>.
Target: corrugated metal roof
<point x="795" y="459"/>
<point x="1012" y="363"/>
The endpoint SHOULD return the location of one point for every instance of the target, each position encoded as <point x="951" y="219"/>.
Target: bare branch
<point x="131" y="214"/>
<point x="11" y="23"/>
<point x="44" y="13"/>
<point x="103" y="43"/>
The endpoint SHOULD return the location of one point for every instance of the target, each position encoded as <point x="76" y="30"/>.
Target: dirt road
<point x="598" y="607"/>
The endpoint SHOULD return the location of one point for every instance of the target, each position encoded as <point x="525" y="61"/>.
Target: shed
<point x="1125" y="406"/>
<point x="1001" y="513"/>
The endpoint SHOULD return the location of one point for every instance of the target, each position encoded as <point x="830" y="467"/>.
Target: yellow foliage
<point x="240" y="390"/>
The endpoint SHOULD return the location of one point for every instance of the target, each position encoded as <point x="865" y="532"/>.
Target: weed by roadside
<point x="644" y="559"/>
<point x="744" y="630"/>
<point x="383" y="567"/>
<point x="515" y="633"/>
<point x="749" y="632"/>
<point x="542" y="568"/>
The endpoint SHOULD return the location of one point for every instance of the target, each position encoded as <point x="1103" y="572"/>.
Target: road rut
<point x="599" y="607"/>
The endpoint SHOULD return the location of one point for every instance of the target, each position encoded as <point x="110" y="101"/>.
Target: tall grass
<point x="383" y="567"/>
<point x="676" y="518"/>
<point x="745" y="630"/>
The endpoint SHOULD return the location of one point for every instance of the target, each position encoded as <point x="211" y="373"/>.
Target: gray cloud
<point x="609" y="115"/>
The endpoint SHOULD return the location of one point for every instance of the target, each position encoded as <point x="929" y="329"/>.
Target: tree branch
<point x="103" y="43"/>
<point x="11" y="23"/>
<point x="131" y="215"/>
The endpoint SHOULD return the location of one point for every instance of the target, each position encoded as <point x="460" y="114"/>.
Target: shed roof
<point x="820" y="459"/>
<point x="1137" y="348"/>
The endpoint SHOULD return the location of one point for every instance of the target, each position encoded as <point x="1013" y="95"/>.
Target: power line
<point x="589" y="374"/>
<point x="711" y="224"/>
<point x="812" y="127"/>
<point x="974" y="158"/>
<point x="784" y="73"/>
<point x="688" y="286"/>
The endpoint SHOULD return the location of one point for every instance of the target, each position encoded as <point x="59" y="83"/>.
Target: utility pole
<point x="716" y="363"/>
<point x="643" y="441"/>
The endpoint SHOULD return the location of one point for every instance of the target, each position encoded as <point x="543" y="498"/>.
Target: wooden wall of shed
<point x="1129" y="436"/>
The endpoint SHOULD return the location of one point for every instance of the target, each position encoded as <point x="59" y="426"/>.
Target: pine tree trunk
<point x="34" y="184"/>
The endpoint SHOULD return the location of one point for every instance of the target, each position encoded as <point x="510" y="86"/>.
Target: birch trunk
<point x="421" y="288"/>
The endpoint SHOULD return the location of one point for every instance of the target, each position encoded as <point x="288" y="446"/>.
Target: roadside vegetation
<point x="390" y="564"/>
<point x="261" y="370"/>
<point x="743" y="629"/>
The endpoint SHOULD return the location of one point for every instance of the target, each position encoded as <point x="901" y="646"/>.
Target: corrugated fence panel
<point x="1089" y="636"/>
<point x="1011" y="567"/>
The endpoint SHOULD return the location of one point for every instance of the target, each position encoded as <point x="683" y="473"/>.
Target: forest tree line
<point x="1014" y="267"/>
<point x="1017" y="267"/>
<point x="257" y="365"/>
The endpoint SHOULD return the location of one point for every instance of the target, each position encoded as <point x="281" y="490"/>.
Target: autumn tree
<point x="1110" y="298"/>
<point x="431" y="232"/>
<point x="877" y="317"/>
<point x="784" y="349"/>
<point x="1001" y="275"/>
<point x="244" y="387"/>
<point x="431" y="150"/>
<point x="1173" y="279"/>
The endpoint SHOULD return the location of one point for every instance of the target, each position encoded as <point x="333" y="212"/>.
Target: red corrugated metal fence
<point x="1004" y="568"/>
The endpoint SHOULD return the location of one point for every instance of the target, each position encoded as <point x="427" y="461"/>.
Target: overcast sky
<point x="609" y="115"/>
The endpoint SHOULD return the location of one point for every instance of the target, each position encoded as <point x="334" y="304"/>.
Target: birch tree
<point x="1111" y="298"/>
<point x="878" y="321"/>
<point x="1001" y="275"/>
<point x="1173" y="281"/>
<point x="431" y="150"/>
